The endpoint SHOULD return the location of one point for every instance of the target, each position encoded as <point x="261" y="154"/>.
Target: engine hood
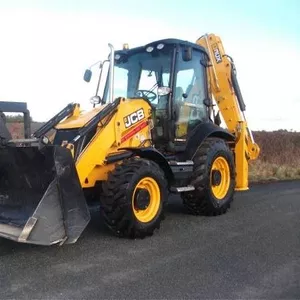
<point x="78" y="120"/>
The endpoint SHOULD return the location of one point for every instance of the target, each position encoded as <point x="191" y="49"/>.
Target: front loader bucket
<point x="41" y="199"/>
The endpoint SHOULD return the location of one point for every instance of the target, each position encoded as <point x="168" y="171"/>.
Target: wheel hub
<point x="216" y="177"/>
<point x="141" y="199"/>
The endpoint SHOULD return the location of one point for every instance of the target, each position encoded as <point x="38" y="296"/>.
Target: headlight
<point x="160" y="46"/>
<point x="149" y="49"/>
<point x="45" y="140"/>
<point x="117" y="56"/>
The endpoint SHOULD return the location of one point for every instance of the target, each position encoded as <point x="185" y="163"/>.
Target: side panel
<point x="94" y="154"/>
<point x="199" y="134"/>
<point x="128" y="127"/>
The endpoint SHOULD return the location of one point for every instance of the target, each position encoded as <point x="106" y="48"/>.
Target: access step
<point x="181" y="163"/>
<point x="182" y="189"/>
<point x="182" y="170"/>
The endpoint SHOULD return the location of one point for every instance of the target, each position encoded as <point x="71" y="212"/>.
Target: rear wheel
<point x="133" y="198"/>
<point x="213" y="179"/>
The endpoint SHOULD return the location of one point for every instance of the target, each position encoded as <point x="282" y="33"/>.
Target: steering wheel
<point x="145" y="93"/>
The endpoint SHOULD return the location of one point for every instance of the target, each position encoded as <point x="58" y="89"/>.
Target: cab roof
<point x="170" y="41"/>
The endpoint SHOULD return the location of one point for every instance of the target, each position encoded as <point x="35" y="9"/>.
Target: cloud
<point x="44" y="55"/>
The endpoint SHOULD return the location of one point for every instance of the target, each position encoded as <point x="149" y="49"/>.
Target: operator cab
<point x="170" y="75"/>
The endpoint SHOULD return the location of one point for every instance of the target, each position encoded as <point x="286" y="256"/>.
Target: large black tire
<point x="203" y="200"/>
<point x="118" y="206"/>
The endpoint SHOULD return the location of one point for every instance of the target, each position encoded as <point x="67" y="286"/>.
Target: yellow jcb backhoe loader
<point x="151" y="132"/>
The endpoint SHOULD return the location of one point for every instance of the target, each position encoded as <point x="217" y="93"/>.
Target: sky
<point x="47" y="45"/>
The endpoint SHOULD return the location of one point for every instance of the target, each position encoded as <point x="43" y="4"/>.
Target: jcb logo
<point x="217" y="53"/>
<point x="134" y="118"/>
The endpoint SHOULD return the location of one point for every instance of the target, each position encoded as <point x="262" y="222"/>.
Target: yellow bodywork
<point x="110" y="136"/>
<point x="91" y="164"/>
<point x="79" y="118"/>
<point x="221" y="87"/>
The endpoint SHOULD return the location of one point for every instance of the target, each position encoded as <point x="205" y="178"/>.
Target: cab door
<point x="190" y="91"/>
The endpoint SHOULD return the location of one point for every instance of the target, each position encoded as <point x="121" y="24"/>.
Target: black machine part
<point x="5" y="135"/>
<point x="41" y="199"/>
<point x="54" y="120"/>
<point x="14" y="107"/>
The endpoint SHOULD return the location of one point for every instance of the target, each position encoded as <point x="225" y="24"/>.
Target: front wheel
<point x="134" y="197"/>
<point x="213" y="179"/>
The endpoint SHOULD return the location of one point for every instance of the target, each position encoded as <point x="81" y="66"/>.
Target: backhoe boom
<point x="224" y="87"/>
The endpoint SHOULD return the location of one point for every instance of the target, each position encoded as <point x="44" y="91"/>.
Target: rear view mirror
<point x="187" y="54"/>
<point x="87" y="75"/>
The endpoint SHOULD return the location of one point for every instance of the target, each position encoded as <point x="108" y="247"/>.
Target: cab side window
<point x="189" y="94"/>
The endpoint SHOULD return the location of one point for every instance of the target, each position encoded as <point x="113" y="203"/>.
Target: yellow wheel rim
<point x="149" y="187"/>
<point x="220" y="178"/>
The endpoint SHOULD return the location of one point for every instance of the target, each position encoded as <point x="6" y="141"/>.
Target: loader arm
<point x="224" y="87"/>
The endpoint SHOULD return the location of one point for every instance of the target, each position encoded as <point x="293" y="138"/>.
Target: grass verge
<point x="266" y="171"/>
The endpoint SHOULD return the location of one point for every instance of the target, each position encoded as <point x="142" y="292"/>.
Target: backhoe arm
<point x="226" y="92"/>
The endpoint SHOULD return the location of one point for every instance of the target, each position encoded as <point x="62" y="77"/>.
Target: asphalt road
<point x="252" y="252"/>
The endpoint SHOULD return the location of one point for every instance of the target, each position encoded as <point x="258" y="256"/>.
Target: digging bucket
<point x="41" y="199"/>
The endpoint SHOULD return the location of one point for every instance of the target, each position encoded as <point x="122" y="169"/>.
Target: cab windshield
<point x="141" y="74"/>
